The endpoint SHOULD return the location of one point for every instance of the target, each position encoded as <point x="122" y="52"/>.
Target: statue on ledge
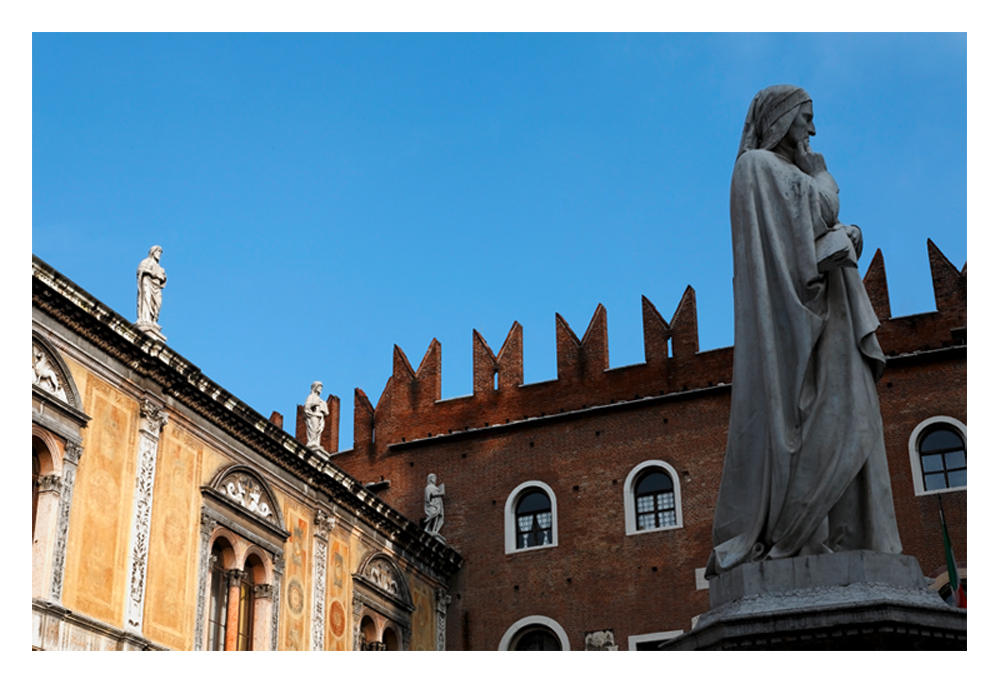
<point x="150" y="281"/>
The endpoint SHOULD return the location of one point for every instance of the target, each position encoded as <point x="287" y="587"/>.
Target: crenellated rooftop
<point x="411" y="408"/>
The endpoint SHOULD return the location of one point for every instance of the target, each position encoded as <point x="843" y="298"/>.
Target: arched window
<point x="369" y="635"/>
<point x="218" y="604"/>
<point x="652" y="498"/>
<point x="534" y="519"/>
<point x="942" y="457"/>
<point x="240" y="582"/>
<point x="389" y="639"/>
<point x="938" y="455"/>
<point x="244" y="634"/>
<point x="654" y="501"/>
<point x="530" y="517"/>
<point x="535" y="638"/>
<point x="535" y="633"/>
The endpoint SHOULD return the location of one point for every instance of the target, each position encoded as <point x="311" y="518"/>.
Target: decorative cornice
<point x="184" y="382"/>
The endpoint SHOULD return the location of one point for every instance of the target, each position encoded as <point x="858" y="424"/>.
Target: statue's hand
<point x="854" y="233"/>
<point x="810" y="162"/>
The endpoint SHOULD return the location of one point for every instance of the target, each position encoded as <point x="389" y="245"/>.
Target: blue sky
<point x="320" y="198"/>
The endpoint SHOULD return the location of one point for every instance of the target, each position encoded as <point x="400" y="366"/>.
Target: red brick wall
<point x="584" y="432"/>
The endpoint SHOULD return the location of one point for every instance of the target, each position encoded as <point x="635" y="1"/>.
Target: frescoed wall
<point x="338" y="612"/>
<point x="171" y="586"/>
<point x="424" y="619"/>
<point x="97" y="544"/>
<point x="141" y="465"/>
<point x="295" y="595"/>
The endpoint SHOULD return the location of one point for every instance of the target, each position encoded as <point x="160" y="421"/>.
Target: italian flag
<point x="953" y="579"/>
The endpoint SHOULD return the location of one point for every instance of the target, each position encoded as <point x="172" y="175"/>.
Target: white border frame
<point x="633" y="641"/>
<point x="916" y="468"/>
<point x="512" y="631"/>
<point x="629" y="497"/>
<point x="510" y="524"/>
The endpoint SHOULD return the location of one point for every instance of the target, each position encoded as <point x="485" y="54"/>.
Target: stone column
<point x="357" y="608"/>
<point x="443" y="600"/>
<point x="323" y="524"/>
<point x="262" y="594"/>
<point x="234" y="578"/>
<point x="71" y="459"/>
<point x="48" y="490"/>
<point x="152" y="420"/>
<point x="279" y="570"/>
<point x="208" y="525"/>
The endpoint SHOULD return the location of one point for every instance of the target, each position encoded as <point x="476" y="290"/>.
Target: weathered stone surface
<point x="851" y="600"/>
<point x="803" y="573"/>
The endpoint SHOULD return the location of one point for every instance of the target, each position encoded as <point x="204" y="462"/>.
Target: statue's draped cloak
<point x="805" y="432"/>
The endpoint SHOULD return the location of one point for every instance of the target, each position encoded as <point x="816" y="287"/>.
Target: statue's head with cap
<point x="771" y="113"/>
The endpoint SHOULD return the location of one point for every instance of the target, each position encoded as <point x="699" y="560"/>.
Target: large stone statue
<point x="150" y="281"/>
<point x="316" y="411"/>
<point x="433" y="506"/>
<point x="805" y="470"/>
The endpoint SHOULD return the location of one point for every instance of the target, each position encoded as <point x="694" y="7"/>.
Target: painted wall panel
<point x="424" y="619"/>
<point x="97" y="544"/>
<point x="297" y="592"/>
<point x="171" y="598"/>
<point x="338" y="608"/>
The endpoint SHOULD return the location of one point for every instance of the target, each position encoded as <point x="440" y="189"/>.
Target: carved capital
<point x="153" y="417"/>
<point x="208" y="523"/>
<point x="73" y="452"/>
<point x="263" y="591"/>
<point x="235" y="577"/>
<point x="325" y="522"/>
<point x="443" y="600"/>
<point x="49" y="483"/>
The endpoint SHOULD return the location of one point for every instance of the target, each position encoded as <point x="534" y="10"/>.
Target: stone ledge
<point x="811" y="572"/>
<point x="853" y="600"/>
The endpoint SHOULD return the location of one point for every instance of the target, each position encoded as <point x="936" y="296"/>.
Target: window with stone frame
<point x="654" y="500"/>
<point x="244" y="625"/>
<point x="242" y="563"/>
<point x="534" y="519"/>
<point x="535" y="638"/>
<point x="652" y="497"/>
<point x="218" y="607"/>
<point x="531" y="519"/>
<point x="942" y="458"/>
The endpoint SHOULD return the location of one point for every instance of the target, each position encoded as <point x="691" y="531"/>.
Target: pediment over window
<point x="242" y="489"/>
<point x="379" y="574"/>
<point x="50" y="374"/>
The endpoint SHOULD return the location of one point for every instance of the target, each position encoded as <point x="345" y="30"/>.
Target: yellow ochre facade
<point x="168" y="515"/>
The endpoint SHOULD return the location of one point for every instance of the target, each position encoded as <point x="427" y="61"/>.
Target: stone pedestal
<point x="152" y="330"/>
<point x="843" y="601"/>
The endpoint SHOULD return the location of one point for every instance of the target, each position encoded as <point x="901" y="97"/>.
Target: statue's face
<point x="802" y="126"/>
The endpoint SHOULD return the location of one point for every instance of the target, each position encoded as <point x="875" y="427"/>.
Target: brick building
<point x="583" y="505"/>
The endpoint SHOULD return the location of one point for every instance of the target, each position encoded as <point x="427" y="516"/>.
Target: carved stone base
<point x="858" y="600"/>
<point x="152" y="330"/>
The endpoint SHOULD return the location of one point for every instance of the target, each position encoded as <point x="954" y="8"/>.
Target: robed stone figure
<point x="805" y="469"/>
<point x="316" y="411"/>
<point x="150" y="280"/>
